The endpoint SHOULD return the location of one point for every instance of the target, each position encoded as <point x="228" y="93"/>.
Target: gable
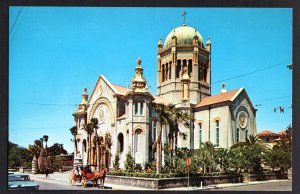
<point x="243" y="98"/>
<point x="102" y="88"/>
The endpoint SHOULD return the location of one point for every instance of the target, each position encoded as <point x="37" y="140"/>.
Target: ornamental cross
<point x="183" y="16"/>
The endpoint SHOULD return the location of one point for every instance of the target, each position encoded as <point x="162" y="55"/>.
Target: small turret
<point x="84" y="100"/>
<point x="138" y="82"/>
<point x="208" y="44"/>
<point x="195" y="39"/>
<point x="174" y="39"/>
<point x="159" y="46"/>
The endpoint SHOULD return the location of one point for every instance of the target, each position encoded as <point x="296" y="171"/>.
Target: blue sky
<point x="55" y="51"/>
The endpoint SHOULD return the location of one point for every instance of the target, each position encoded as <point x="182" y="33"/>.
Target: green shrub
<point x="129" y="162"/>
<point x="116" y="164"/>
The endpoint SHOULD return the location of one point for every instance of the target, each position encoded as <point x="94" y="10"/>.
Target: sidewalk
<point x="64" y="178"/>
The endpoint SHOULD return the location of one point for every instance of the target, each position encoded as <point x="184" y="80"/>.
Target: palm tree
<point x="39" y="144"/>
<point x="42" y="141"/>
<point x="177" y="116"/>
<point x="45" y="138"/>
<point x="208" y="156"/>
<point x="89" y="129"/>
<point x="94" y="123"/>
<point x="73" y="131"/>
<point x="108" y="144"/>
<point x="164" y="117"/>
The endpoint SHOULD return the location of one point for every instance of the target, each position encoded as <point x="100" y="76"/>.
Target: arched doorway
<point x="120" y="145"/>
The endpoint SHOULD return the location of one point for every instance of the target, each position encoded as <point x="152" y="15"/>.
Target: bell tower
<point x="182" y="51"/>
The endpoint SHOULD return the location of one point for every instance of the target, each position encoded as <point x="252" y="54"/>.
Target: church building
<point x="128" y="122"/>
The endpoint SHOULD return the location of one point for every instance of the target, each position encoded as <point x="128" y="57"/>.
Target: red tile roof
<point x="121" y="90"/>
<point x="227" y="96"/>
<point x="267" y="132"/>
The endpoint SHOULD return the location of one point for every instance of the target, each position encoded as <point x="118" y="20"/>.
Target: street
<point x="56" y="185"/>
<point x="59" y="181"/>
<point x="285" y="185"/>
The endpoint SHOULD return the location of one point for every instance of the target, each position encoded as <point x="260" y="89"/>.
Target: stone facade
<point x="126" y="117"/>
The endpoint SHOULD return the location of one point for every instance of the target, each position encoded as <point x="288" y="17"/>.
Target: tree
<point x="222" y="159"/>
<point x="94" y="123"/>
<point x="18" y="156"/>
<point x="73" y="131"/>
<point x="164" y="116"/>
<point x="207" y="151"/>
<point x="177" y="117"/>
<point x="129" y="162"/>
<point x="108" y="144"/>
<point x="117" y="162"/>
<point x="45" y="138"/>
<point x="57" y="149"/>
<point x="89" y="129"/>
<point x="280" y="156"/>
<point x="251" y="151"/>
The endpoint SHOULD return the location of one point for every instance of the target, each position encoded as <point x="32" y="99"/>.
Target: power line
<point x="39" y="128"/>
<point x="276" y="98"/>
<point x="15" y="21"/>
<point x="248" y="73"/>
<point x="45" y="104"/>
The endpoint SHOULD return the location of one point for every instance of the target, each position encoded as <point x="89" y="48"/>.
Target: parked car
<point x="21" y="181"/>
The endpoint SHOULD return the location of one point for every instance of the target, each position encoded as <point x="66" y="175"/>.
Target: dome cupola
<point x="185" y="35"/>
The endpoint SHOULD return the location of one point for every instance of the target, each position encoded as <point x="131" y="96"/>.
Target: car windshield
<point x="19" y="178"/>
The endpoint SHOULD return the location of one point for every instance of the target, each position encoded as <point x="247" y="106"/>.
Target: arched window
<point x="163" y="73"/>
<point x="190" y="67"/>
<point x="137" y="140"/>
<point x="217" y="133"/>
<point x="120" y="143"/>
<point x="84" y="145"/>
<point x="246" y="134"/>
<point x="136" y="108"/>
<point x="237" y="135"/>
<point x="142" y="108"/>
<point x="170" y="70"/>
<point x="183" y="66"/>
<point x="205" y="73"/>
<point x="154" y="131"/>
<point x="200" y="76"/>
<point x="167" y="71"/>
<point x="200" y="134"/>
<point x="178" y="68"/>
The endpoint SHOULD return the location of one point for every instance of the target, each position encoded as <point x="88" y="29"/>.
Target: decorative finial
<point x="139" y="61"/>
<point x="223" y="90"/>
<point x="183" y="17"/>
<point x="85" y="90"/>
<point x="160" y="42"/>
<point x="208" y="40"/>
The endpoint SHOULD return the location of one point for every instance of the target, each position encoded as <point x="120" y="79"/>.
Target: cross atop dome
<point x="183" y="17"/>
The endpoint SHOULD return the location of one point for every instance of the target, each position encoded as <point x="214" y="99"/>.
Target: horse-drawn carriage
<point x="85" y="174"/>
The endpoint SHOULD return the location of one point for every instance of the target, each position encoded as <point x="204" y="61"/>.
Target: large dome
<point x="185" y="35"/>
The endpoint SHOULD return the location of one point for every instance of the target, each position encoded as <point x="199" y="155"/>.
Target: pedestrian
<point x="47" y="172"/>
